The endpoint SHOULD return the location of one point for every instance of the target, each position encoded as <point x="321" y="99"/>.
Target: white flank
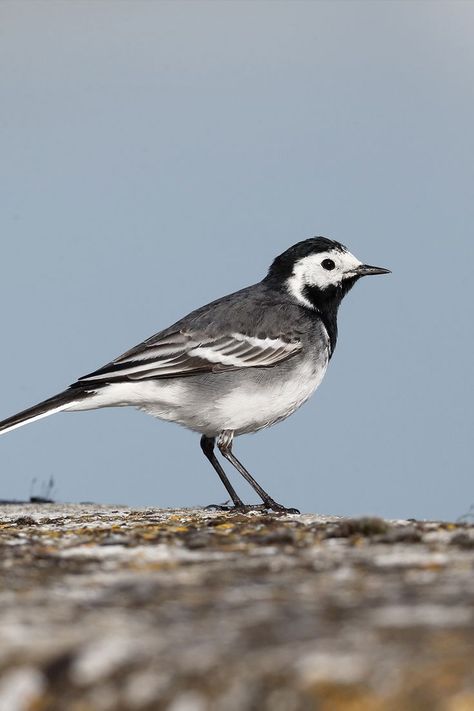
<point x="135" y="394"/>
<point x="247" y="409"/>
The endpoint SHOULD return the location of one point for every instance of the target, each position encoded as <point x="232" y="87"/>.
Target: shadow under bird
<point x="234" y="366"/>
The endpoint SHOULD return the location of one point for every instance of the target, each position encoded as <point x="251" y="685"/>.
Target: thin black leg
<point x="224" y="444"/>
<point x="207" y="446"/>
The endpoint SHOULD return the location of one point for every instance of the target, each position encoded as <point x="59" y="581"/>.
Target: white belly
<point x="248" y="409"/>
<point x="243" y="408"/>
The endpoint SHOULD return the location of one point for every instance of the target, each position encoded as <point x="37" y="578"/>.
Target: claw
<point x="265" y="508"/>
<point x="246" y="508"/>
<point x="278" y="508"/>
<point x="218" y="507"/>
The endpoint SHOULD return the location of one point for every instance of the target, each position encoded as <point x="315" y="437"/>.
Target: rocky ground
<point x="106" y="608"/>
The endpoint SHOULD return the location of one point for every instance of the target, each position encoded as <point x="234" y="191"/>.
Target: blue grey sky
<point x="157" y="155"/>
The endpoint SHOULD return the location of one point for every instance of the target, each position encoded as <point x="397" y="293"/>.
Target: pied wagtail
<point x="237" y="365"/>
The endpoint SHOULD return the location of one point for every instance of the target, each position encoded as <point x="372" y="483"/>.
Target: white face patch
<point x="309" y="271"/>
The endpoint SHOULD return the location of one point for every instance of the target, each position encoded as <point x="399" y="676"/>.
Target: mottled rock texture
<point x="105" y="608"/>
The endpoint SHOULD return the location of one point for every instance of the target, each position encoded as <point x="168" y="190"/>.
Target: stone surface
<point x="105" y="608"/>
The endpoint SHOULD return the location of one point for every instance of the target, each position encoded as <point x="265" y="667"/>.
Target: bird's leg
<point x="207" y="446"/>
<point x="224" y="443"/>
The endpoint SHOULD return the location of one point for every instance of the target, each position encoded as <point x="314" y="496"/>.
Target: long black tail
<point x="59" y="402"/>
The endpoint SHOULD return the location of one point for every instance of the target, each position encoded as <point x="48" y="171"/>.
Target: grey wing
<point x="182" y="353"/>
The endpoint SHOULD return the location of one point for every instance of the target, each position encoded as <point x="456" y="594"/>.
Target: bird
<point x="234" y="366"/>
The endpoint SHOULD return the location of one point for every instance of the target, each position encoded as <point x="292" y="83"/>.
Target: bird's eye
<point x="328" y="264"/>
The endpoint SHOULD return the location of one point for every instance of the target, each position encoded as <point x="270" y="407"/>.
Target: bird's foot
<point x="264" y="508"/>
<point x="247" y="508"/>
<point x="269" y="505"/>
<point x="226" y="506"/>
<point x="278" y="508"/>
<point x="236" y="508"/>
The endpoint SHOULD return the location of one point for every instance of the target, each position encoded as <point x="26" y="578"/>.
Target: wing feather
<point x="185" y="353"/>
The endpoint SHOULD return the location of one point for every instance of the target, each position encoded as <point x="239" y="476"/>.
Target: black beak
<point x="365" y="270"/>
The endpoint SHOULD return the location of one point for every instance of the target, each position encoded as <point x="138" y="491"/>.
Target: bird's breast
<point x="251" y="406"/>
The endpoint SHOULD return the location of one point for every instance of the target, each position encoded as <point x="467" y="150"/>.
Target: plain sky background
<point x="157" y="155"/>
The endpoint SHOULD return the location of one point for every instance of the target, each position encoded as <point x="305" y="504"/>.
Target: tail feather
<point x="47" y="407"/>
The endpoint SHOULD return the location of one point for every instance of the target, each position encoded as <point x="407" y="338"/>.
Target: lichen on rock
<point x="117" y="608"/>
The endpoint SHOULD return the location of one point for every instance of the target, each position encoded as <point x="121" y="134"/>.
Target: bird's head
<point x="318" y="270"/>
